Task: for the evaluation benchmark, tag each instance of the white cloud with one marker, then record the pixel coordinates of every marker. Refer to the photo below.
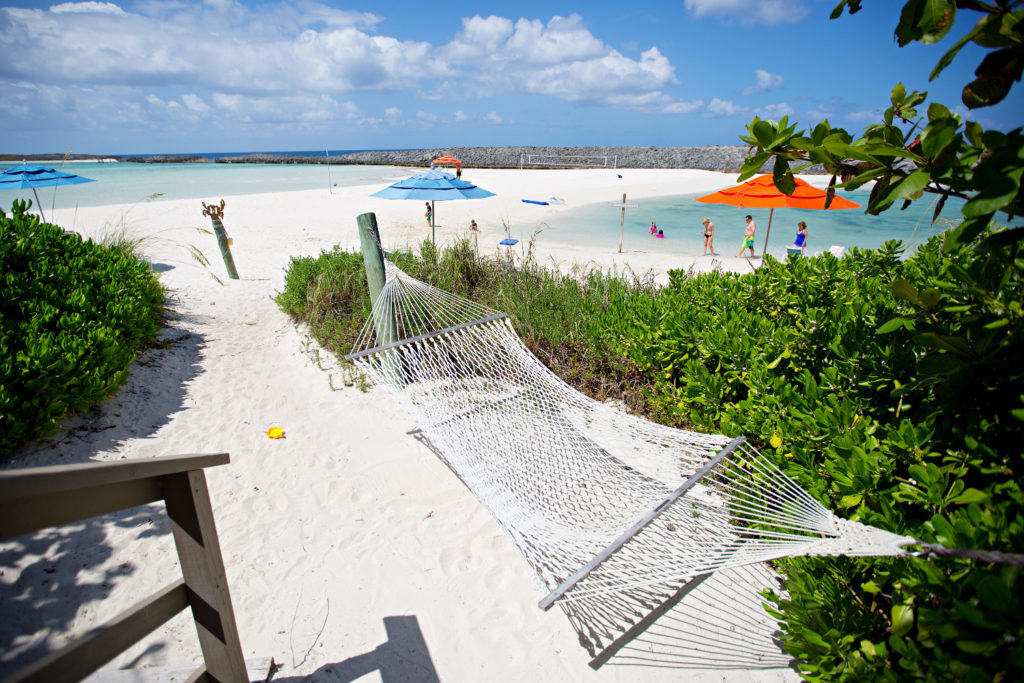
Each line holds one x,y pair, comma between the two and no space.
774,112
767,12
392,115
195,103
561,59
719,107
765,81
224,63
86,8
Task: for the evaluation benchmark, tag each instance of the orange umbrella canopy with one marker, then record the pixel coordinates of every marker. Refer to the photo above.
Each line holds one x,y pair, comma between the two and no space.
761,193
447,159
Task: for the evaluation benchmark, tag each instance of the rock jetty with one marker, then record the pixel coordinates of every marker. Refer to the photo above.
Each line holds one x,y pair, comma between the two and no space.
710,158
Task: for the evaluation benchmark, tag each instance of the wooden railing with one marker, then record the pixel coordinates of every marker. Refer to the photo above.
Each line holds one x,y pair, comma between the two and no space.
43,497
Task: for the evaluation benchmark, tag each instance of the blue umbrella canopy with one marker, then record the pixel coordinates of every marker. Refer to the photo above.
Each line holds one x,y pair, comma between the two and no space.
26,177
434,185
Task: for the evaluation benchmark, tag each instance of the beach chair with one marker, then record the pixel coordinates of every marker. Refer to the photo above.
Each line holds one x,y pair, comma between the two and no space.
794,251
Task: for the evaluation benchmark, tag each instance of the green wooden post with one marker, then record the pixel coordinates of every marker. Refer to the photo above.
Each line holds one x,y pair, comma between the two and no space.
373,262
215,213
373,257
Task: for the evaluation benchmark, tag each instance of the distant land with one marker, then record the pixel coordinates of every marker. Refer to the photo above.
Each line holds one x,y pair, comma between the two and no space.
727,158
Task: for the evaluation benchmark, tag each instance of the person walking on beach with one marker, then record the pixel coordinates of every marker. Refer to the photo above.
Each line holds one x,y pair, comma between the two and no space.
429,213
458,172
801,237
709,236
748,237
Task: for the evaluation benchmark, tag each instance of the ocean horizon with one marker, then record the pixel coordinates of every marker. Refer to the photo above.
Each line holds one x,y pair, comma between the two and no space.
597,225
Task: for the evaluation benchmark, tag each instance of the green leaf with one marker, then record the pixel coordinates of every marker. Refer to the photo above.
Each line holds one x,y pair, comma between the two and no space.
904,290
902,620
970,496
904,188
891,326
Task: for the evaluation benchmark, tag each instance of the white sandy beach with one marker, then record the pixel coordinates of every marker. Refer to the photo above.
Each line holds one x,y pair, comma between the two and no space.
348,522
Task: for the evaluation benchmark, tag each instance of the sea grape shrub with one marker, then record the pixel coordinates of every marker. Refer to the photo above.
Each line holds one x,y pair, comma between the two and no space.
891,390
72,315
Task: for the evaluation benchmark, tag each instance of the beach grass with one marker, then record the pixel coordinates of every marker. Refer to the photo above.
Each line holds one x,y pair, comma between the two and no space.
555,314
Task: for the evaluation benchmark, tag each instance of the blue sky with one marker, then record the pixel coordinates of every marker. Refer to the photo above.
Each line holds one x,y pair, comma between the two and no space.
165,76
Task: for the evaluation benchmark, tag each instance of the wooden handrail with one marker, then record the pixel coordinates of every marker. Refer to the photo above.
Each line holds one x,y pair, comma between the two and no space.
38,480
38,498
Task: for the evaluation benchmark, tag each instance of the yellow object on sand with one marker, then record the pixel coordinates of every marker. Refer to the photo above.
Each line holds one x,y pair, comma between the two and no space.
275,433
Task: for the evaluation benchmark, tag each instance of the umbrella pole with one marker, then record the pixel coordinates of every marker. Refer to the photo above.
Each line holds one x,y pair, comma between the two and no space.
39,204
433,239
622,221
767,232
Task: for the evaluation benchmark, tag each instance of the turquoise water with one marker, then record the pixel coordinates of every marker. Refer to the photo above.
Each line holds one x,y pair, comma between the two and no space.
680,219
129,183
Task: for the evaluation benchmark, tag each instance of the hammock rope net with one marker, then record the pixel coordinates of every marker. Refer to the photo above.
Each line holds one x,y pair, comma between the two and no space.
619,517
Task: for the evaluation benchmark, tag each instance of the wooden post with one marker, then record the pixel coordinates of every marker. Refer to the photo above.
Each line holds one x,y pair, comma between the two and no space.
202,566
373,256
215,213
373,262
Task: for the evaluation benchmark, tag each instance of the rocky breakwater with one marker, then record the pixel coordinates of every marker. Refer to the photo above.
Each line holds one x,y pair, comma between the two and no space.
708,158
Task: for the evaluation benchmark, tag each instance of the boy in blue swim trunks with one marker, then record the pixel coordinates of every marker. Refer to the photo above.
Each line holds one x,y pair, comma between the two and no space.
748,238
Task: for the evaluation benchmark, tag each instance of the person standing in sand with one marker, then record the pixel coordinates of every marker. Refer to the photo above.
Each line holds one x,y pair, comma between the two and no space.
428,213
472,225
748,237
709,236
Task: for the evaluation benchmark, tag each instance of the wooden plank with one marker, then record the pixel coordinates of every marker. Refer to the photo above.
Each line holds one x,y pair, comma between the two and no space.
44,510
195,535
86,654
37,481
630,533
639,627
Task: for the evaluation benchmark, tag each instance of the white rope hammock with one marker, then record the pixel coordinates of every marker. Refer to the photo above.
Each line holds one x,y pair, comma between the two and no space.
619,517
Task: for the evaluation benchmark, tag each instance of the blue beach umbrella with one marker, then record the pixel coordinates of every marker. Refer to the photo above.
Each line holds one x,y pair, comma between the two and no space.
433,186
24,177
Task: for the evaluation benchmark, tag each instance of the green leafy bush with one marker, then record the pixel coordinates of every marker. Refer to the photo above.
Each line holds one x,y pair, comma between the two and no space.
892,390
72,314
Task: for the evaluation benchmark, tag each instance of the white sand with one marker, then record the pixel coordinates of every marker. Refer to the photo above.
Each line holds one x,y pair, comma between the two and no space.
349,520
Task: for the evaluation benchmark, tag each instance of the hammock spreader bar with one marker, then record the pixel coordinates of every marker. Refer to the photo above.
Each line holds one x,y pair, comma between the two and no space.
631,533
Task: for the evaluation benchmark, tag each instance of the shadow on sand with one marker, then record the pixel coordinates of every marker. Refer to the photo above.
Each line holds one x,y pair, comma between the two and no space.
48,576
154,391
403,658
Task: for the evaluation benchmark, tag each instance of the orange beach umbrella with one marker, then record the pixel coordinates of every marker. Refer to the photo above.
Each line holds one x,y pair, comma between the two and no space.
761,193
447,159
